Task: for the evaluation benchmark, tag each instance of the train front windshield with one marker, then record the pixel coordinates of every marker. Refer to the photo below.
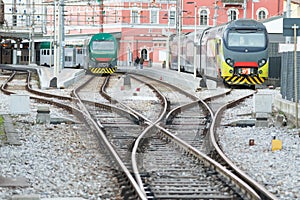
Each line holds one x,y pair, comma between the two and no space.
249,39
104,45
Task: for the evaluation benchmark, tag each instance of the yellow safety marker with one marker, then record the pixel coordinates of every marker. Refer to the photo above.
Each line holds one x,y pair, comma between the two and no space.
276,144
106,70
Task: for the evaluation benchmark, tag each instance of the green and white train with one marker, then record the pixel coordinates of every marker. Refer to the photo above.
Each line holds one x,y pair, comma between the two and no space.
97,54
101,54
74,55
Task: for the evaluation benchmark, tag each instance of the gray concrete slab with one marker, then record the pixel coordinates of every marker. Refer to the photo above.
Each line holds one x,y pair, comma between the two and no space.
10,131
13,182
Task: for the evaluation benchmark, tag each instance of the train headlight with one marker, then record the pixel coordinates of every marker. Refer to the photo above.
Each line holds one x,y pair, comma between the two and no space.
229,61
261,62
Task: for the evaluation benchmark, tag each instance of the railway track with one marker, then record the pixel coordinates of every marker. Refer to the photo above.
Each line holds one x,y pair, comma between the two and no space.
220,156
162,156
136,157
128,188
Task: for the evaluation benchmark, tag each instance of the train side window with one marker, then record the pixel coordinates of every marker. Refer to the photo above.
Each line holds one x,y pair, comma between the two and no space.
218,46
68,58
79,51
48,52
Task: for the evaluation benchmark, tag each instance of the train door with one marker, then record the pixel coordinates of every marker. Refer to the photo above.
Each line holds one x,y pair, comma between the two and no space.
24,58
210,58
45,57
69,57
189,53
7,56
80,60
46,54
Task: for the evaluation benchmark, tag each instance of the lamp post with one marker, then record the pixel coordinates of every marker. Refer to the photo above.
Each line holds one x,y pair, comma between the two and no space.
195,37
179,26
168,39
216,7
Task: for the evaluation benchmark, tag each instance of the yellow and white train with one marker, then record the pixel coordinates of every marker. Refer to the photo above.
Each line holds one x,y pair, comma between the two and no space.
236,53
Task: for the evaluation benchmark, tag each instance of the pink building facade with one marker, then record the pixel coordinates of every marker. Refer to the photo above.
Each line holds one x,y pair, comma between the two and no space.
143,27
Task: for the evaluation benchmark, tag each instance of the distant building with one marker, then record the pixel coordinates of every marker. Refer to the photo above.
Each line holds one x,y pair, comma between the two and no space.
143,26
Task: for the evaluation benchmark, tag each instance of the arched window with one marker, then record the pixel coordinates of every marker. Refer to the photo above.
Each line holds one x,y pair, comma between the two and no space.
262,13
232,14
144,54
203,17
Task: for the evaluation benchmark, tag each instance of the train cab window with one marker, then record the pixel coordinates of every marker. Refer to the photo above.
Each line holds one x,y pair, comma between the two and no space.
103,45
246,39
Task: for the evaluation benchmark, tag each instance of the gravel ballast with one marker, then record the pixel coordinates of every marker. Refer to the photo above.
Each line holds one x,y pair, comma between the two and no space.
277,170
53,160
64,161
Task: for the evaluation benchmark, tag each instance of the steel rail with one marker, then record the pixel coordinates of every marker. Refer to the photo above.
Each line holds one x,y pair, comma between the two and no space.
227,174
97,125
146,130
262,191
86,117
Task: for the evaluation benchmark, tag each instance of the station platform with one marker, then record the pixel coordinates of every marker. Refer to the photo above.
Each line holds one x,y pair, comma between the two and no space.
65,77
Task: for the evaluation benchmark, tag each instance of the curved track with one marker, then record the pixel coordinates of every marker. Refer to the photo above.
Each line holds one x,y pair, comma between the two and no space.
165,155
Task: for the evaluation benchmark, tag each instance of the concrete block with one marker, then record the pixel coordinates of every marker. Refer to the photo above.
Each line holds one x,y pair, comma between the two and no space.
263,103
43,114
19,104
26,197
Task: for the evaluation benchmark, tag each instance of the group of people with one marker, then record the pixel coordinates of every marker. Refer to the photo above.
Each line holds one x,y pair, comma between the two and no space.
139,61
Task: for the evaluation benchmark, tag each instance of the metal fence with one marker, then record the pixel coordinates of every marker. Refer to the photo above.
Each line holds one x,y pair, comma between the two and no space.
287,76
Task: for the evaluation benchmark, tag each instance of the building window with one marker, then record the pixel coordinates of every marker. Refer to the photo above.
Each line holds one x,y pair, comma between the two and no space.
172,18
154,16
262,13
135,17
232,14
144,54
203,17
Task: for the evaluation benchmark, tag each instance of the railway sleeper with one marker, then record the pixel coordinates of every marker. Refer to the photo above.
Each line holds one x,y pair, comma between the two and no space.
193,196
180,184
188,191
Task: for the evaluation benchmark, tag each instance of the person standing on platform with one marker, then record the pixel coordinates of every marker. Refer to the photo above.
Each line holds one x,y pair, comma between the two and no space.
141,62
137,61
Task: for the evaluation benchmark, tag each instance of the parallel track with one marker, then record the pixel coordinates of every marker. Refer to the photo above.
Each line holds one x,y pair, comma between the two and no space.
166,164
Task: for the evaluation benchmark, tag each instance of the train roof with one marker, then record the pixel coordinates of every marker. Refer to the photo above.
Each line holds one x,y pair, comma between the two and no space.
102,36
245,24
